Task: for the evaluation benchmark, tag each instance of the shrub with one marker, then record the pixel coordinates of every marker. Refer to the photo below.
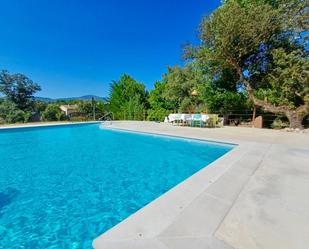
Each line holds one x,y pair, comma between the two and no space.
9,113
157,114
278,123
52,113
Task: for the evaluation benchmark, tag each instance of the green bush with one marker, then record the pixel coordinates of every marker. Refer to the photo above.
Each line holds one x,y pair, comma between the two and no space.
17,116
9,113
157,114
278,123
53,113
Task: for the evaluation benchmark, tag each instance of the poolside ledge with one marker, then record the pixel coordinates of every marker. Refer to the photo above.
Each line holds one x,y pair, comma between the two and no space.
254,197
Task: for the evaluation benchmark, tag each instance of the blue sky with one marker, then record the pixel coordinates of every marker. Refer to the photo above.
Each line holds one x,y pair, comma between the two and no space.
78,47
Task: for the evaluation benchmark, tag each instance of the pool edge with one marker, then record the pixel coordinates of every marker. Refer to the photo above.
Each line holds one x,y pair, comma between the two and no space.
47,125
147,224
233,144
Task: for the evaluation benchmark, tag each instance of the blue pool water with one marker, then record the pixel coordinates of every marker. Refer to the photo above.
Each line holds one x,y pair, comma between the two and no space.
61,187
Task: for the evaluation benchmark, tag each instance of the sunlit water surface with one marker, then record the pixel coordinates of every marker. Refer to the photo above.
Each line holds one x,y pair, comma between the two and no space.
61,187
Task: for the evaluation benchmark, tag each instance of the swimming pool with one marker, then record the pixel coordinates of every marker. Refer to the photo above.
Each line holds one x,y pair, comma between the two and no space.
62,186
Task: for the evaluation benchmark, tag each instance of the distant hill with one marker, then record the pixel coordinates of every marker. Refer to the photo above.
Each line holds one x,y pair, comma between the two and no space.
44,99
85,97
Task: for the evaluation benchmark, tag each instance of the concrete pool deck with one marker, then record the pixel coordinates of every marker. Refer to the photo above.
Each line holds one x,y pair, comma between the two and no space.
254,197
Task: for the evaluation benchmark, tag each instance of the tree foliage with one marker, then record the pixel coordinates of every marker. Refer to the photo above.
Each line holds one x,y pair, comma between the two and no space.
53,113
18,89
9,113
18,103
128,98
264,41
216,92
160,106
180,83
86,108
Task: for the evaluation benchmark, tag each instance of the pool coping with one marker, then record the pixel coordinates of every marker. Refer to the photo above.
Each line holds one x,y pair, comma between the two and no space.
150,226
219,141
21,126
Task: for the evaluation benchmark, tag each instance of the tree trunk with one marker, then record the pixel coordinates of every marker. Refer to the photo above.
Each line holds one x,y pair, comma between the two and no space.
295,119
295,116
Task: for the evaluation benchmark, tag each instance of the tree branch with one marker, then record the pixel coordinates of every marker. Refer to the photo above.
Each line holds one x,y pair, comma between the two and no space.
261,103
303,110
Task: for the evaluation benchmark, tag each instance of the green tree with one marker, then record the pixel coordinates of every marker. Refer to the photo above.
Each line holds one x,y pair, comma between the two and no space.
222,93
9,113
60,116
52,113
160,107
102,108
19,89
216,91
180,83
222,101
85,108
39,106
128,98
264,41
